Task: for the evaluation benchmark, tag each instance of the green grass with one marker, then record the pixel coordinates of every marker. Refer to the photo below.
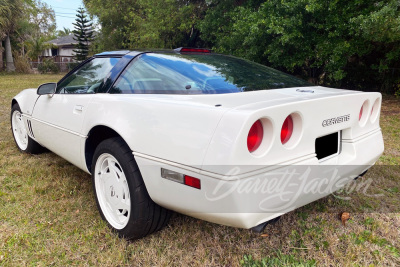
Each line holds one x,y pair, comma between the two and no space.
48,216
277,260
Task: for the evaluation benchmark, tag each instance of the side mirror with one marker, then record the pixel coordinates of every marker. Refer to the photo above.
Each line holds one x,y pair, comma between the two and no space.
47,89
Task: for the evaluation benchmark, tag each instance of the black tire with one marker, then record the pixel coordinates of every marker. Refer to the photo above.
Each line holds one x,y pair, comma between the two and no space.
145,216
31,146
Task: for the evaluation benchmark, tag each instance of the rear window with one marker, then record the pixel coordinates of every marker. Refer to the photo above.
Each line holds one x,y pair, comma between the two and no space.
153,73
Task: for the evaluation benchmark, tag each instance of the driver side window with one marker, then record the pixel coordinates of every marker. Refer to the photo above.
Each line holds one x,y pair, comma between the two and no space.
88,78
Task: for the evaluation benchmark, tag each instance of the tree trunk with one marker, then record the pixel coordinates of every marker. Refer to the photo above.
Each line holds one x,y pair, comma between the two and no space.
9,57
1,55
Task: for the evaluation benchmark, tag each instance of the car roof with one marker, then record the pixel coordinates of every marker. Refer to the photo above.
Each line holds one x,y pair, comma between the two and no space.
152,50
114,53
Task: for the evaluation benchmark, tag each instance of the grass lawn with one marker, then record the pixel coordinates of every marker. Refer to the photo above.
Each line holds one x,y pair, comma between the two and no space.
48,215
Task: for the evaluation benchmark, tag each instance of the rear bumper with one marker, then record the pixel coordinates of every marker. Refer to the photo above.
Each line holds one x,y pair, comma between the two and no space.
247,200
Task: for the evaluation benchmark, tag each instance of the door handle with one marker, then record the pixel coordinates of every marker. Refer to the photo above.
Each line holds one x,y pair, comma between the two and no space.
78,108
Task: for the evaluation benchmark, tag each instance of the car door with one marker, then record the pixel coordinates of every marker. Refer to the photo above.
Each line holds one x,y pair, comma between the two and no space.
57,119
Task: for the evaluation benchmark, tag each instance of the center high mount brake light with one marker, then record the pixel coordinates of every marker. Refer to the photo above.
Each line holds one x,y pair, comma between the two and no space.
192,50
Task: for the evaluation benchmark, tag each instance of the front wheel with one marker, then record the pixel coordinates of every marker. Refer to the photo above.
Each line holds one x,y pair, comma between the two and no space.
23,141
120,192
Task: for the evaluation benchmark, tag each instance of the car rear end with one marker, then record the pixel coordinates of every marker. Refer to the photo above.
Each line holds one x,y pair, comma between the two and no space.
331,138
271,152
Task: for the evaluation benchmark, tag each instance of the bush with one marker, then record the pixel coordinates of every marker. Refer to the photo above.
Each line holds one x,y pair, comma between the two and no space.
22,64
397,90
48,65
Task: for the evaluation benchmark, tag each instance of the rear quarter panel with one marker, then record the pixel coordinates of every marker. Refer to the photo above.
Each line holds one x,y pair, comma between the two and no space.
162,126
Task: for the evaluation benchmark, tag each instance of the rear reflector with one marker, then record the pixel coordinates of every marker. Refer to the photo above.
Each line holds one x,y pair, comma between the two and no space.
192,50
361,113
255,136
287,129
193,182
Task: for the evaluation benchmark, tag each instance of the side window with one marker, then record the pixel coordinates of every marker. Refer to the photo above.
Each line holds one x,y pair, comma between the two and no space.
88,78
144,76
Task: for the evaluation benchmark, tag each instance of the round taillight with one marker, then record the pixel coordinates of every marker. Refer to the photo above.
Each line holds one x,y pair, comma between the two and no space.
361,113
255,136
287,129
375,110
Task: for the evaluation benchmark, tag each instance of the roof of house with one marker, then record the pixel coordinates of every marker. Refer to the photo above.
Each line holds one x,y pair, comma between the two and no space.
64,40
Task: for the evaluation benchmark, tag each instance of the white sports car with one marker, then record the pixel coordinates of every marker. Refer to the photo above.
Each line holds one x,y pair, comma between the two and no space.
212,136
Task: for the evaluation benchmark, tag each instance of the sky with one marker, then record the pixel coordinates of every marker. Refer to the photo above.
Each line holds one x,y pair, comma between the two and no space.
65,12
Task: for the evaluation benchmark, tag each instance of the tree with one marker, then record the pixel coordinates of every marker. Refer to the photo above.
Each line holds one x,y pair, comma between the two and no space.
322,40
148,23
350,44
22,20
64,32
36,46
38,24
112,18
83,33
10,11
42,16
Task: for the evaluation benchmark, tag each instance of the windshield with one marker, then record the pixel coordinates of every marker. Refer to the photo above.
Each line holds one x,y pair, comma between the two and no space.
153,73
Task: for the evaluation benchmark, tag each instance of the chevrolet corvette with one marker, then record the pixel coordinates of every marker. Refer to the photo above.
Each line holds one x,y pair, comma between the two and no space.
212,136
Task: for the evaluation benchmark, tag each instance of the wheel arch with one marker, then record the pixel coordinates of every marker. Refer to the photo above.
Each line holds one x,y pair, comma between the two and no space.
13,102
97,135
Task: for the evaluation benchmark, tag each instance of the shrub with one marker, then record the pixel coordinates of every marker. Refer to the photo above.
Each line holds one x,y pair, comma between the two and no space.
21,63
48,65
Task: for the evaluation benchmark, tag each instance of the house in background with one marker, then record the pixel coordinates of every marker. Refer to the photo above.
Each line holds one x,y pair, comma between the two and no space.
62,49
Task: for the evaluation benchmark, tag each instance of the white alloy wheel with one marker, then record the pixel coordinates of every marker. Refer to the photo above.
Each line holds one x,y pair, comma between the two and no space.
19,130
112,191
121,194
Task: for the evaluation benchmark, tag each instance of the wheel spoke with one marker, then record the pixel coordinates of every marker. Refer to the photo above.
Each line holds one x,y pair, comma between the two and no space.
116,171
125,188
109,164
103,177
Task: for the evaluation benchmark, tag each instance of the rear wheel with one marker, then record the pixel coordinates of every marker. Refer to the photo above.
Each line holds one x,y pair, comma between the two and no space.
23,141
120,192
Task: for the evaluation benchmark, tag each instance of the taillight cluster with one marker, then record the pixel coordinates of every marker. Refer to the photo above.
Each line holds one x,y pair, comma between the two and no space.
257,133
373,114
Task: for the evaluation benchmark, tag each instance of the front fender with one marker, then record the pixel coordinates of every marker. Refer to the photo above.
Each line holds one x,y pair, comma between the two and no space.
26,100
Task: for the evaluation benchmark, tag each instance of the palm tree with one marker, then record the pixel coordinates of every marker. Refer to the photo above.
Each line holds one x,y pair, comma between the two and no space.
10,11
36,46
64,32
5,13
